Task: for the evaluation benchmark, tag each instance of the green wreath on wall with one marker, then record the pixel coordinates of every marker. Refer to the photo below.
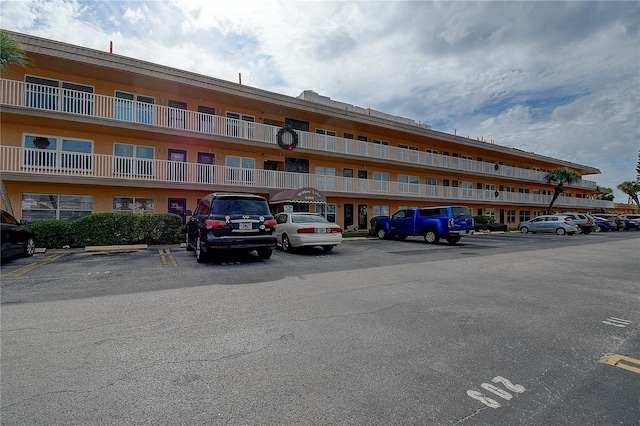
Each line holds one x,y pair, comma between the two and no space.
288,144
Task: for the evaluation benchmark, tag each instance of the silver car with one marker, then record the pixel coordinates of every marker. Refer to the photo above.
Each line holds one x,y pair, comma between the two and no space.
306,230
556,223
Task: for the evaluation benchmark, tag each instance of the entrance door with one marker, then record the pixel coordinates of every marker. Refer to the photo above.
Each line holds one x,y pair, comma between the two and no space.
177,206
362,216
177,166
348,215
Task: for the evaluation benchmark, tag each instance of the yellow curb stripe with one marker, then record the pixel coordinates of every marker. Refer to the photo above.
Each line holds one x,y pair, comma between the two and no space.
169,256
33,266
621,361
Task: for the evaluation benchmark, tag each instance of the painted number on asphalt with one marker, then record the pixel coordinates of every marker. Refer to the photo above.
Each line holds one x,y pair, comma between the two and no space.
490,402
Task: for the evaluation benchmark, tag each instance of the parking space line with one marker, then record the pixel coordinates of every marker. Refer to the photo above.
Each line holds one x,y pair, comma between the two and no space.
33,266
621,361
166,257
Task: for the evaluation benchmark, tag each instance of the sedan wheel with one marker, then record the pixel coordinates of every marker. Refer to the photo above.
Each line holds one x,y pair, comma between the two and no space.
286,244
560,231
524,229
327,248
30,248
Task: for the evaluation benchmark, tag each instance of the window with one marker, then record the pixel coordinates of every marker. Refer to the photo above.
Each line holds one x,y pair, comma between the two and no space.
328,211
408,184
55,206
511,216
490,187
409,147
431,151
381,148
445,182
467,189
240,125
50,152
177,114
381,210
347,135
327,178
132,107
59,95
133,204
490,212
133,160
381,181
240,169
510,189
466,157
525,215
431,181
408,153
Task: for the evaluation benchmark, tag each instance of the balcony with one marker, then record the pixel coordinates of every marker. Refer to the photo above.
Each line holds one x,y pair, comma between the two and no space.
29,95
45,165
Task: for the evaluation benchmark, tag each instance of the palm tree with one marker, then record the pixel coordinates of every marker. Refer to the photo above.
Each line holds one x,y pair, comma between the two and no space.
11,53
560,176
632,189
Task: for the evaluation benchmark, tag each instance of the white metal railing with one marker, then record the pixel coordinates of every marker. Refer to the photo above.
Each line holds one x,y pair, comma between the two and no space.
18,93
62,163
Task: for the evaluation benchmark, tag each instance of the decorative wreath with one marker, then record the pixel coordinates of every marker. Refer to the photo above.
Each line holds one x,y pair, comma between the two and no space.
290,143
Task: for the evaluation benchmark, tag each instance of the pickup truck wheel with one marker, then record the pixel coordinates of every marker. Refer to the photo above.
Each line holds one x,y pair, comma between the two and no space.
382,233
431,237
453,240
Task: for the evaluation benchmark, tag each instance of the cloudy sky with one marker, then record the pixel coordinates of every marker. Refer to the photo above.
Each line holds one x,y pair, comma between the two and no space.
557,78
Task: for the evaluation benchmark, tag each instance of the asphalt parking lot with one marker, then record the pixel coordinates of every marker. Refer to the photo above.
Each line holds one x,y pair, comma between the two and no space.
500,329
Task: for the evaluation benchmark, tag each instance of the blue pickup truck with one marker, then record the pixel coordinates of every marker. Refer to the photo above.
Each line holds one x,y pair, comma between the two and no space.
433,223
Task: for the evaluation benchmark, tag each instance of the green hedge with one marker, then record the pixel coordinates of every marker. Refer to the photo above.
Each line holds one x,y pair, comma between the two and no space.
99,229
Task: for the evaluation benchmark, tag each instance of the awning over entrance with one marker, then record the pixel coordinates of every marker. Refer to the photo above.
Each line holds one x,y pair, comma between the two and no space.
301,195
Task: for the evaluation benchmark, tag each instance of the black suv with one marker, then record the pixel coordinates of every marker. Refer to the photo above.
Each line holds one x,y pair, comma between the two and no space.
231,222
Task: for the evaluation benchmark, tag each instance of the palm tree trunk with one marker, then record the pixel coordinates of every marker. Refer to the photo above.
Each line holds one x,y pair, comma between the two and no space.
559,189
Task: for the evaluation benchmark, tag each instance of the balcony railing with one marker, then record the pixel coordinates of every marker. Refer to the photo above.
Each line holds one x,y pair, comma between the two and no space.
18,93
17,160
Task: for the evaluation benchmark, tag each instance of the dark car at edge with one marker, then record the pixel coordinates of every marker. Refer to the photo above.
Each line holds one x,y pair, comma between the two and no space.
17,239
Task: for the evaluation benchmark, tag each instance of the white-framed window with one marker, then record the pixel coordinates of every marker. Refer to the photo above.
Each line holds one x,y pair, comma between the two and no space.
381,210
431,181
408,184
467,189
325,177
133,107
133,160
58,95
431,151
325,140
409,147
490,186
466,157
490,212
409,153
240,169
55,206
526,215
328,211
240,125
57,153
511,216
133,204
381,181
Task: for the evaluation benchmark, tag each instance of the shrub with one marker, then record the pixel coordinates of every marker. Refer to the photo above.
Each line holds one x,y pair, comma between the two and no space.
52,233
481,220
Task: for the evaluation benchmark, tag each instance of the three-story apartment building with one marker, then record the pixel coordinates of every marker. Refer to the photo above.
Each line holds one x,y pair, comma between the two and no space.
88,131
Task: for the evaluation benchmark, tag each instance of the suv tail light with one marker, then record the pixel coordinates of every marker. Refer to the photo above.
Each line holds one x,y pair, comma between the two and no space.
450,223
212,224
270,223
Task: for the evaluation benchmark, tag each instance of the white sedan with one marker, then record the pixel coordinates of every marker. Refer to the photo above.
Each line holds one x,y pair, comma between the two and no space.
306,230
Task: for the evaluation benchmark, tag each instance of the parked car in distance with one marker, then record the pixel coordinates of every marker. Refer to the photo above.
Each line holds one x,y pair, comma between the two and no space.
225,222
617,223
631,221
605,225
586,224
558,223
17,239
295,230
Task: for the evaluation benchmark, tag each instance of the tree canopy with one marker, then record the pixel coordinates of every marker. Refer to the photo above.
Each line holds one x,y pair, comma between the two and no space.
631,188
560,176
11,53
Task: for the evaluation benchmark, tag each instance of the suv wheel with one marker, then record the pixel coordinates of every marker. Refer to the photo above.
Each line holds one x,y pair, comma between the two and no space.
201,257
265,253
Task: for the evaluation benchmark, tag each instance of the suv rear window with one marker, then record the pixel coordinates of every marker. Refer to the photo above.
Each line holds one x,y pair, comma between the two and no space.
240,206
